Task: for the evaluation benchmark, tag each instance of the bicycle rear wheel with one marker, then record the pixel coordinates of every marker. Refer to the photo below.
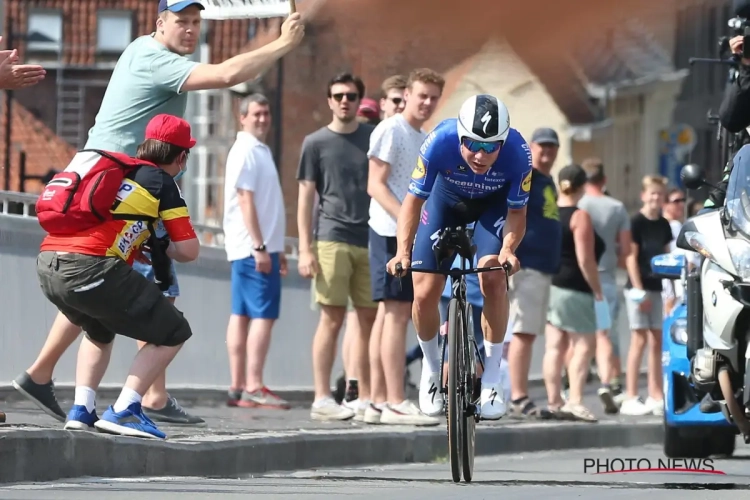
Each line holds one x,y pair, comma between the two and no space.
468,371
455,413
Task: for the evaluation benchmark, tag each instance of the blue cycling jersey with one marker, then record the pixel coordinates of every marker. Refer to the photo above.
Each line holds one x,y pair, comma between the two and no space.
441,155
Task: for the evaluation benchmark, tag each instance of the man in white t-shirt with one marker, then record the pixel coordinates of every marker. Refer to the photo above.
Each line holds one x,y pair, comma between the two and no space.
254,229
393,154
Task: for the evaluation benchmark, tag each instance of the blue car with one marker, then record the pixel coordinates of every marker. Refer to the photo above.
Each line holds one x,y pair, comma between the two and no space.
694,426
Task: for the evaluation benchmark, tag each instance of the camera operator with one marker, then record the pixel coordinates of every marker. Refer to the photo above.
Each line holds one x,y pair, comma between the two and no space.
734,114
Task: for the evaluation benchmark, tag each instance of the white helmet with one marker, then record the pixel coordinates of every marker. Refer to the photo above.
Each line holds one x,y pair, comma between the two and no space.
483,118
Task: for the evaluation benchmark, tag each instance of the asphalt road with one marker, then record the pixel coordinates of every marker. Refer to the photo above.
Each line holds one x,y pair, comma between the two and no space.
549,475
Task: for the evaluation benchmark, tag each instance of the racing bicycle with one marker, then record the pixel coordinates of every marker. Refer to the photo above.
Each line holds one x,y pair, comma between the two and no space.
462,391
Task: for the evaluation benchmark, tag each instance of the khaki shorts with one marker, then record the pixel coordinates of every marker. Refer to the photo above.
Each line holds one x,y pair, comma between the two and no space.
344,273
529,301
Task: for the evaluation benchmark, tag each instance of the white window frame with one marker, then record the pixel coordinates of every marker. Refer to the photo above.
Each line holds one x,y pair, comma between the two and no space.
56,46
124,15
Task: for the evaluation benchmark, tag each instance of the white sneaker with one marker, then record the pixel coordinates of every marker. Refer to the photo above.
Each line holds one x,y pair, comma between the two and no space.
634,407
358,406
406,413
656,406
492,401
373,413
431,400
327,410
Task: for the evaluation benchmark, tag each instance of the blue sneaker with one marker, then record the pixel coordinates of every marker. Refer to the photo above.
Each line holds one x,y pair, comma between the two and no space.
129,422
79,419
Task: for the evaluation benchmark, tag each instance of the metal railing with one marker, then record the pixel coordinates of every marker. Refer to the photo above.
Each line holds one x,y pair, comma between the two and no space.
13,204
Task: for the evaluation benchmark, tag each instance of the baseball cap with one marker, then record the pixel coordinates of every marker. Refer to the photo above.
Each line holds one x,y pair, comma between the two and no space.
545,135
177,5
369,108
571,178
170,129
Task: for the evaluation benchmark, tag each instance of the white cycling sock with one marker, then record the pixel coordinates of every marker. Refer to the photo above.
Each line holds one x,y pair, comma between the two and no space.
85,396
431,351
127,397
493,358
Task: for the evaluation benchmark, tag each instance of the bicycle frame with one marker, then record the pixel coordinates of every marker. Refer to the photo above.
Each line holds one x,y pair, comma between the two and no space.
461,408
458,291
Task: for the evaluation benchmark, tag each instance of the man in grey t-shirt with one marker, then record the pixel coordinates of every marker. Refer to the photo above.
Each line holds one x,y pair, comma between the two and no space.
334,164
612,224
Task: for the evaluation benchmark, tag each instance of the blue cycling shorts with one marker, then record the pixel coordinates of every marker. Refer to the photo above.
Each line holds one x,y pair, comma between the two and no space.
445,209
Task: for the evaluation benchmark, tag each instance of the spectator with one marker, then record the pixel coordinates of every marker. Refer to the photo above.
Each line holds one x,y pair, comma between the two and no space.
651,237
391,102
392,95
333,163
95,287
393,154
347,389
369,111
539,253
611,222
254,229
674,212
572,318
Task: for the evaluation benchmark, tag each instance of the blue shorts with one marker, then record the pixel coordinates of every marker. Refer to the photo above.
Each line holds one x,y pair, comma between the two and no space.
384,285
254,294
148,272
446,209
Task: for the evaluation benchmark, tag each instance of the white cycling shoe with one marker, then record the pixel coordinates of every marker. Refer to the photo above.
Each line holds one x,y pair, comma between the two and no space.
492,401
431,400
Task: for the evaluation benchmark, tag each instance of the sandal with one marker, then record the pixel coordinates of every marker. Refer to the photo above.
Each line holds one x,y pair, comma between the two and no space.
525,409
578,412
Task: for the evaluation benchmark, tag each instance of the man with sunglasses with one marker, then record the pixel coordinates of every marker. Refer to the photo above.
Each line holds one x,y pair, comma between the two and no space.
471,169
334,164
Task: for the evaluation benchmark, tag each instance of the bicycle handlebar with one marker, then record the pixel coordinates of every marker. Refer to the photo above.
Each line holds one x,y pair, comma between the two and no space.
456,273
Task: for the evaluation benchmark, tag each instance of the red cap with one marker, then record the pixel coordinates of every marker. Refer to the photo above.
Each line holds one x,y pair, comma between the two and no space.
170,129
369,108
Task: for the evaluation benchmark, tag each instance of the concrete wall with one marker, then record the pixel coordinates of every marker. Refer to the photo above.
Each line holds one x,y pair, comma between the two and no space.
26,316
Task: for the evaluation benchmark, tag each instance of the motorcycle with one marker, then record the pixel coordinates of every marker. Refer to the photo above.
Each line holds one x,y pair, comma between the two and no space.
693,427
718,296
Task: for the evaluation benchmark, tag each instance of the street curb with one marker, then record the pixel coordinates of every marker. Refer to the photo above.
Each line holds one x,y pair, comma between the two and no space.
187,395
31,455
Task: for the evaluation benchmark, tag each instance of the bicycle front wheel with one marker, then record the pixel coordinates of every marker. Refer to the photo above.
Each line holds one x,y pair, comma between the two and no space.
455,413
468,381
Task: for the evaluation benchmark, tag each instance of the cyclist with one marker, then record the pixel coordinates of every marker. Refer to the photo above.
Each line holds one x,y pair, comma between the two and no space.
473,168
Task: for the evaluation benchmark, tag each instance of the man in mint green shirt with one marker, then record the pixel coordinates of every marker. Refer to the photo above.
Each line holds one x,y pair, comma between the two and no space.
151,77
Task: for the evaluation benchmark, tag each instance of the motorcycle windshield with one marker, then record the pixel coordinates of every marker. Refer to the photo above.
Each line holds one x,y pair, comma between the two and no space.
738,193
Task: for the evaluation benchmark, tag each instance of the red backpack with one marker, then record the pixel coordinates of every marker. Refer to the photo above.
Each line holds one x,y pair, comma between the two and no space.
82,196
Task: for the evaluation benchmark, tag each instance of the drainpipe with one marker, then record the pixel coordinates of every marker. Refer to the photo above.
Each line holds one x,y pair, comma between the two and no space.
277,113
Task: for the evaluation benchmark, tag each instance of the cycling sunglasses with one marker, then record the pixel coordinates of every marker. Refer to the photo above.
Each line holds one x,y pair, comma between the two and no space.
485,147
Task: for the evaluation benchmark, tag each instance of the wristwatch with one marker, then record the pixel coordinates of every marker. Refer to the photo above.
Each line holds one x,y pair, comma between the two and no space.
261,248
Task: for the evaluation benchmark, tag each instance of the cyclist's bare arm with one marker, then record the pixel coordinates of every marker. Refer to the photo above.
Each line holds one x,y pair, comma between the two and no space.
408,220
515,228
249,65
